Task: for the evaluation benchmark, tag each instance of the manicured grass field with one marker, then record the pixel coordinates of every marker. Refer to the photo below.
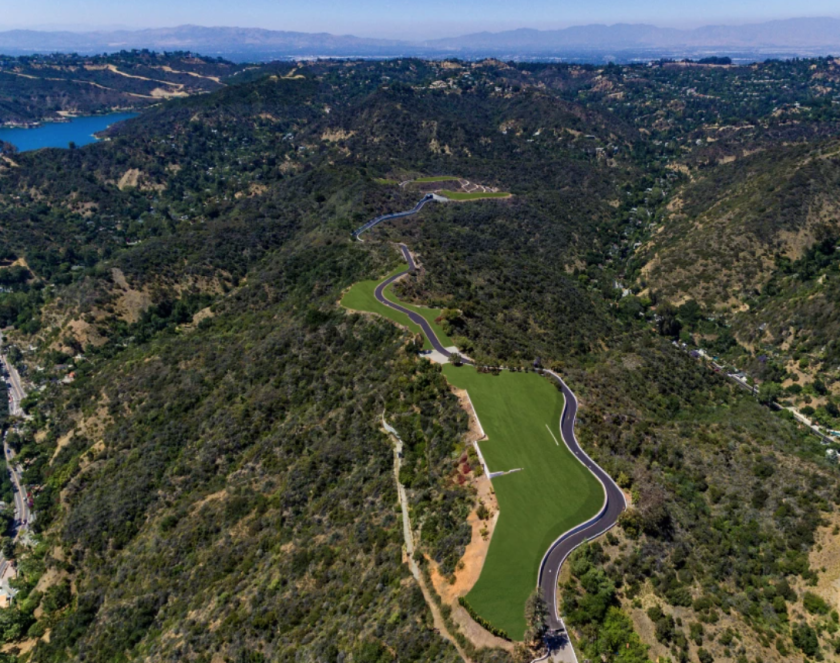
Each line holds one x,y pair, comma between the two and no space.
361,298
477,195
437,178
552,494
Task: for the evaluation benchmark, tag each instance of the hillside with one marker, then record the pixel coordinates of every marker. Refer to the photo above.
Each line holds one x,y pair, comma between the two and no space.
724,231
47,87
206,448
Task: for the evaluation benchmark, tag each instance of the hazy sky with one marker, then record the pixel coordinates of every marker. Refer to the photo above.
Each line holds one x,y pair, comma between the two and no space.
397,18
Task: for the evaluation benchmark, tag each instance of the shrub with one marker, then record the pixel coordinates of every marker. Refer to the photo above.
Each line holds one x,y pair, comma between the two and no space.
815,604
805,638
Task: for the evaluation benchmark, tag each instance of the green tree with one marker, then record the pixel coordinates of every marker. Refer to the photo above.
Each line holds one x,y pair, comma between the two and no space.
805,638
667,323
536,618
769,392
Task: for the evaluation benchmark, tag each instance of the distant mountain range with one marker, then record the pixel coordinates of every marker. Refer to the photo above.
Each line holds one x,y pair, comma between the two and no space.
620,42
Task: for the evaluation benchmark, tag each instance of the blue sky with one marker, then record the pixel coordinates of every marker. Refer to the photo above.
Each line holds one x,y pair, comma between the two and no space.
397,18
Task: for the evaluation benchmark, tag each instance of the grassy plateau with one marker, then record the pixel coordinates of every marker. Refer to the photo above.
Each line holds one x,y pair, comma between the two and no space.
361,298
553,492
437,178
476,195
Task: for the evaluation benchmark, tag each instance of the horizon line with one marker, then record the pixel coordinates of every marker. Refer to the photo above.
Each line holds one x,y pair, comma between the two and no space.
641,23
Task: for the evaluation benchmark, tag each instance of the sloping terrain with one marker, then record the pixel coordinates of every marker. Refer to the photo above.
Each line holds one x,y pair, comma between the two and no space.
205,451
725,230
38,88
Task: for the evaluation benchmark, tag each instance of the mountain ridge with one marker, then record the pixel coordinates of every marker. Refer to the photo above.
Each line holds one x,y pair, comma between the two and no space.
798,36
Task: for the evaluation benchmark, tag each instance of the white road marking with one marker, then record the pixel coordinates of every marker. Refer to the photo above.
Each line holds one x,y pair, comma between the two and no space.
552,435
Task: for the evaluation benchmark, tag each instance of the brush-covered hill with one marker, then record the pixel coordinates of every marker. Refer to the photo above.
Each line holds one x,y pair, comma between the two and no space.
38,88
224,423
213,483
725,230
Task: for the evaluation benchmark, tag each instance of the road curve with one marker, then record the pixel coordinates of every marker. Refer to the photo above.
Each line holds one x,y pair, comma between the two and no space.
614,500
416,318
429,197
606,518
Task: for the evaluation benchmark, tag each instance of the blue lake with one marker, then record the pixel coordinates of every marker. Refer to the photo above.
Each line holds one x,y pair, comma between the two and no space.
79,130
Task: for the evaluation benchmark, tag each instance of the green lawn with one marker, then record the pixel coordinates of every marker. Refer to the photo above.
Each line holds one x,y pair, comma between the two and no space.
431,314
360,297
382,180
437,178
457,195
552,493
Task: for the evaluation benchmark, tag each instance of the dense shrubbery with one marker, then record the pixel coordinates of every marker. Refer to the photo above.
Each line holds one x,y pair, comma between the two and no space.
590,605
223,488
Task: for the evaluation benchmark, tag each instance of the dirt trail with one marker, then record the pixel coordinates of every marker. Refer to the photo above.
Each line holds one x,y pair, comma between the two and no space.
170,70
113,69
437,618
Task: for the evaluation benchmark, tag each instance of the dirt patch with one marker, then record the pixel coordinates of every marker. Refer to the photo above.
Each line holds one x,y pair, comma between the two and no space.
63,441
796,243
170,70
203,314
826,555
131,303
130,178
469,569
253,190
91,427
437,618
86,333
19,648
119,278
52,576
162,93
475,432
335,135
470,565
210,498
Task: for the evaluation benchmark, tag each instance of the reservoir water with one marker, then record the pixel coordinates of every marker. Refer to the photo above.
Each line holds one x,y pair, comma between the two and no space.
78,130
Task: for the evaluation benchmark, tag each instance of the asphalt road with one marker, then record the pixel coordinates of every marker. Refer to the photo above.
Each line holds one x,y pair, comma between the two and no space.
412,267
429,197
16,392
614,500
417,319
614,504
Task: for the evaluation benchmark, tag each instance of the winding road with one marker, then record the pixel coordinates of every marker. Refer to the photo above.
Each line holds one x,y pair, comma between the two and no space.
606,518
614,500
416,318
429,197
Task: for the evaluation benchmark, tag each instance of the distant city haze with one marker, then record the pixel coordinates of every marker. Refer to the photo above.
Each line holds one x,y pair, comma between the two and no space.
396,19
